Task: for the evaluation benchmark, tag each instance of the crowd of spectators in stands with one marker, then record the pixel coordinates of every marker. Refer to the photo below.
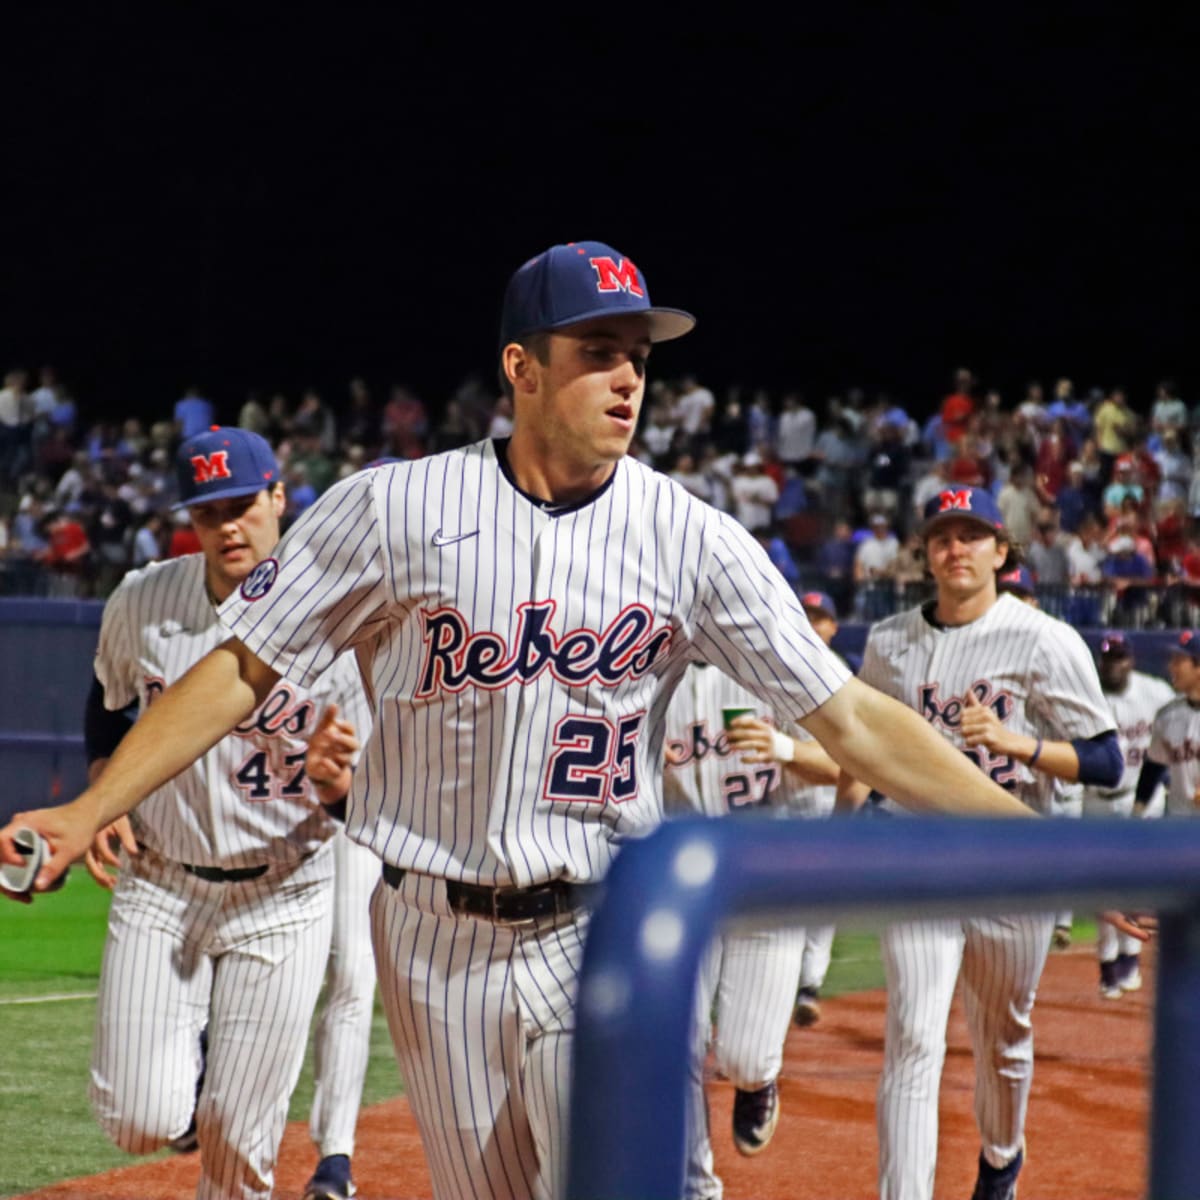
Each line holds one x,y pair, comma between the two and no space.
1103,496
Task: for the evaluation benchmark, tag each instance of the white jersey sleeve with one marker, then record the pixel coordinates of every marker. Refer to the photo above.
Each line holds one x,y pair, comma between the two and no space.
327,583
115,662
751,626
1065,689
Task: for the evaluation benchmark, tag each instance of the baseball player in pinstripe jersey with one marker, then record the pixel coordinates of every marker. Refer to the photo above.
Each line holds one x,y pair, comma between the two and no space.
522,610
1174,751
1017,691
221,916
1134,699
751,976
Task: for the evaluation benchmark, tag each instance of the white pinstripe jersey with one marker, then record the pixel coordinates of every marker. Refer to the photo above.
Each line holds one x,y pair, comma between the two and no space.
520,660
1033,671
246,801
1134,711
708,777
1175,742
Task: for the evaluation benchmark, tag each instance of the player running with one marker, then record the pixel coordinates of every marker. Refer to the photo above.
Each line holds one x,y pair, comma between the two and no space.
1016,691
522,610
220,919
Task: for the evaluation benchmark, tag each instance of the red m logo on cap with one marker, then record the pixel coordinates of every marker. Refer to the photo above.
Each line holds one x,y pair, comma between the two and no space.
210,466
955,499
613,277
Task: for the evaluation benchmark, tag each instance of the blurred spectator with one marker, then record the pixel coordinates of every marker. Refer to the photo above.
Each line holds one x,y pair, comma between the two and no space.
193,414
793,496
887,470
1170,536
967,466
253,416
405,424
1168,412
958,407
1054,452
1074,500
1095,475
760,421
835,561
360,422
875,557
797,432
909,568
314,420
754,494
300,491
1115,426
453,431
1031,412
935,478
1122,487
16,427
279,412
1020,505
1129,573
1071,411
148,541
109,533
718,467
840,454
658,433
695,409
690,478
1086,553
729,428
1047,557
68,553
1174,466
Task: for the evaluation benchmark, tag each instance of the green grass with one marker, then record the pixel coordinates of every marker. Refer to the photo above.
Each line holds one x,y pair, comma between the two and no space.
53,948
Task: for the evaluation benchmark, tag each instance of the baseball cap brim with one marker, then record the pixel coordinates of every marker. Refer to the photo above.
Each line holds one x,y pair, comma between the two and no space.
229,493
958,515
665,324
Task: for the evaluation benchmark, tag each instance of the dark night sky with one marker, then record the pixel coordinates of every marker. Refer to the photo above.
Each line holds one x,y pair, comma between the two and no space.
244,202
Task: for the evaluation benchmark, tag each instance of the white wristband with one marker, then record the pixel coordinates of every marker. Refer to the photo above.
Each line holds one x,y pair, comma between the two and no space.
782,746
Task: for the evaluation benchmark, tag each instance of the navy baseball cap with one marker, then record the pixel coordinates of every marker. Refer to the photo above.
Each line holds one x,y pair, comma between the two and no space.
973,503
821,601
579,281
1115,645
1188,643
1018,581
223,462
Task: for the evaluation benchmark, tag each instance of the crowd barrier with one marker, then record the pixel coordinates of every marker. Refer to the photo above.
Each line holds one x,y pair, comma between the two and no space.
666,895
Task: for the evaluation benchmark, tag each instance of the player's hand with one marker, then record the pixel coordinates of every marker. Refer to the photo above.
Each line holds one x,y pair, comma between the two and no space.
66,830
981,727
1136,925
102,853
752,738
674,753
331,751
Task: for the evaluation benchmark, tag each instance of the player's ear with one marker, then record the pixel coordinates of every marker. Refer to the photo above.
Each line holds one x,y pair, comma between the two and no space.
278,499
520,368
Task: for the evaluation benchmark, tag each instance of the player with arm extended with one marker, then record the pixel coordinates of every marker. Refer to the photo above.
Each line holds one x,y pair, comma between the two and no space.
1016,691
220,918
716,767
522,610
1134,699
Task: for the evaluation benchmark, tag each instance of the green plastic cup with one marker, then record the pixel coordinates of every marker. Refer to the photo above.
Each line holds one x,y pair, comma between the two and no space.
729,715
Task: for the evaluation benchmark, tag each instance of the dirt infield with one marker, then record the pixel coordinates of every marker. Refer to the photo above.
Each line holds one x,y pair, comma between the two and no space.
1086,1135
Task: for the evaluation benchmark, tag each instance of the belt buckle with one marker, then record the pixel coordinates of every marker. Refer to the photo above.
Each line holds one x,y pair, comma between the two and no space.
498,894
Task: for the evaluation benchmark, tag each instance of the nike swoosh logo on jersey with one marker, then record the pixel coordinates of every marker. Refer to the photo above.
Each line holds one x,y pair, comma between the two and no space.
439,540
171,628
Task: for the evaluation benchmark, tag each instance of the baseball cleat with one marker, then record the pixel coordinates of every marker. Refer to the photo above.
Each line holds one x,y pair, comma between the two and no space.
998,1183
331,1180
808,1010
755,1115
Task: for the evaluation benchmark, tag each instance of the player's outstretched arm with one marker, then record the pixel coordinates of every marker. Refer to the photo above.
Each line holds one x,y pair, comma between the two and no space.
887,745
759,742
191,716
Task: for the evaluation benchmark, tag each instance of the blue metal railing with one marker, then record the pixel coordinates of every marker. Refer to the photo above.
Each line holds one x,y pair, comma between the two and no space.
666,896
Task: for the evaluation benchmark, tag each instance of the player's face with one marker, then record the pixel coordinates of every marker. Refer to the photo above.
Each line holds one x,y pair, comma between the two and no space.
1184,673
824,626
236,535
963,557
1114,671
589,393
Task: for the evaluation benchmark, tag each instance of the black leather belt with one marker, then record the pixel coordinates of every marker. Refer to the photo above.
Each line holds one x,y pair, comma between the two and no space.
511,905
220,875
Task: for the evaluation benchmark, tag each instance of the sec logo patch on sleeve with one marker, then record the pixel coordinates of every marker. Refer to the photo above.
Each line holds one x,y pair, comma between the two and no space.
261,580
